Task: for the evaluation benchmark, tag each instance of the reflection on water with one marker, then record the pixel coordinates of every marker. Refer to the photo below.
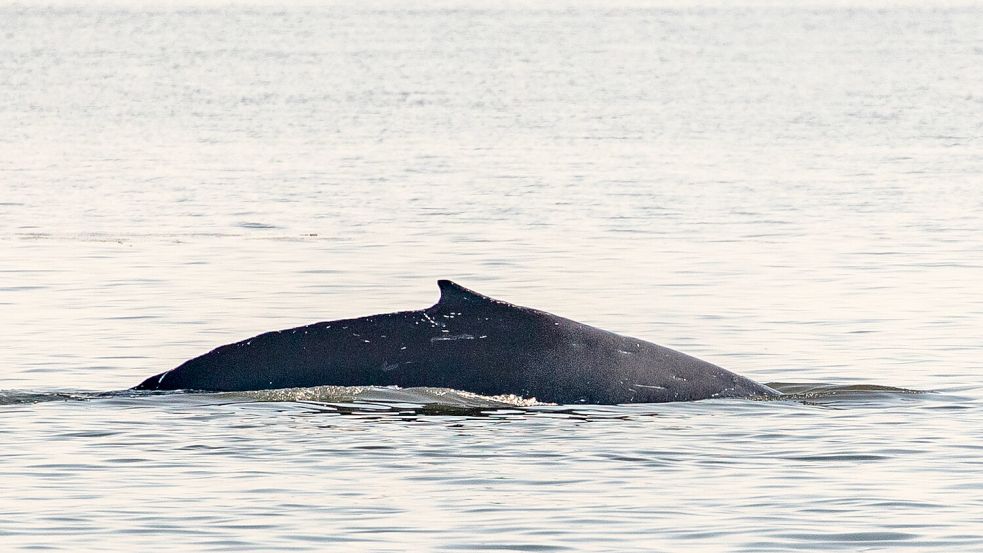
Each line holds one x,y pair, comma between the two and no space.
309,472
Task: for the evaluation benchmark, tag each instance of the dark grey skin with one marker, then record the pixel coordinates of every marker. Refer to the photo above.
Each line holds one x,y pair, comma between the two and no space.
469,342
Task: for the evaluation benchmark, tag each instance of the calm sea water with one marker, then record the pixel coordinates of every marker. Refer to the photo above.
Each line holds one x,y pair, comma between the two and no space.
793,193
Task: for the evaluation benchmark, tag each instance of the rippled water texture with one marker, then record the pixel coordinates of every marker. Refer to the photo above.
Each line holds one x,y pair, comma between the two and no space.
795,194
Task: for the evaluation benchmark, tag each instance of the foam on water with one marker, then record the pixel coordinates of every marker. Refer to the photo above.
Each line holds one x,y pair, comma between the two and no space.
427,398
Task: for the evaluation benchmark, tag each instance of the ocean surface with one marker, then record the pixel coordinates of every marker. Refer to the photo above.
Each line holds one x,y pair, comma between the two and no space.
793,193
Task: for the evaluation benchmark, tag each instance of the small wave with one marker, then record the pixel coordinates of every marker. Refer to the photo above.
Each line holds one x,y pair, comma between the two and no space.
18,397
815,390
435,400
383,396
256,225
354,397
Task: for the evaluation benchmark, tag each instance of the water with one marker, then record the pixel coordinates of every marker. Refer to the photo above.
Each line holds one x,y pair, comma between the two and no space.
792,193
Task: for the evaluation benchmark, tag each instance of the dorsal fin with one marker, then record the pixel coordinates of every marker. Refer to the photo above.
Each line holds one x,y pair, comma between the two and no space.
452,293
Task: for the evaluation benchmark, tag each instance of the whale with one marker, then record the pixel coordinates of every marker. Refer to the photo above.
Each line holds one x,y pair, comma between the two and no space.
468,342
